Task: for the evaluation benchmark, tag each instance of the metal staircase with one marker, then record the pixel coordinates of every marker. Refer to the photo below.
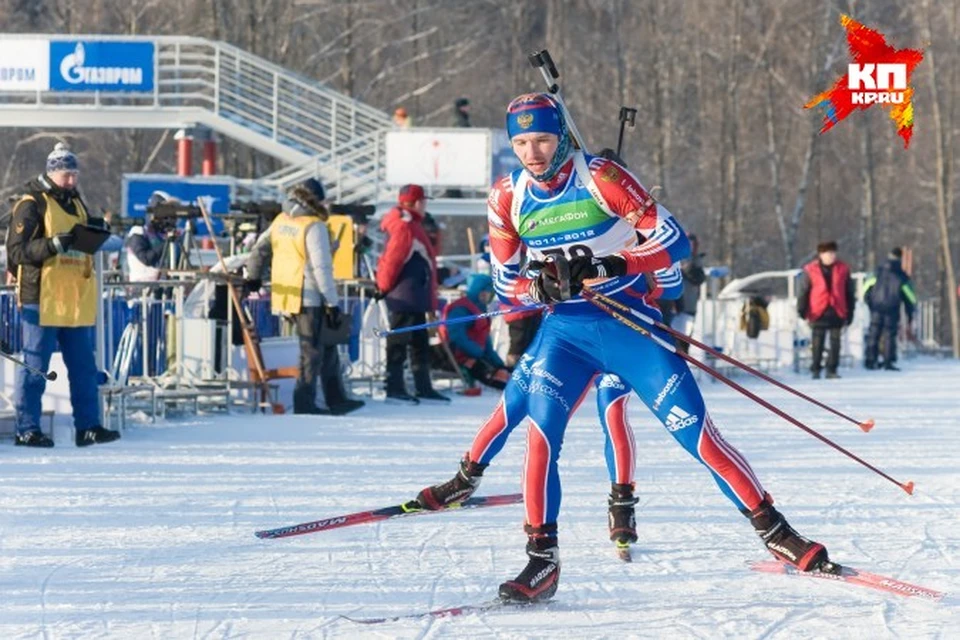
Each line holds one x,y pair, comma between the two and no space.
315,130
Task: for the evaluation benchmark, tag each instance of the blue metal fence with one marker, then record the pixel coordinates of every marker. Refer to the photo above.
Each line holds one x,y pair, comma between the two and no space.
120,311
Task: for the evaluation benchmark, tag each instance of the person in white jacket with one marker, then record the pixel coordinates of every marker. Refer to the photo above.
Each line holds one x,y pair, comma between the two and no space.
297,244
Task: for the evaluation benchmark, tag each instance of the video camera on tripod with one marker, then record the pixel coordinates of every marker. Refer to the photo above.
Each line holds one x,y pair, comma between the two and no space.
164,215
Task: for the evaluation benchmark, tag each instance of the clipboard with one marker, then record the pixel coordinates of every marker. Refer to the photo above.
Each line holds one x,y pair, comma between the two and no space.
88,239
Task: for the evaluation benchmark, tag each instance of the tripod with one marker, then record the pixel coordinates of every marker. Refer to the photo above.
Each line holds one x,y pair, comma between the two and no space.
176,248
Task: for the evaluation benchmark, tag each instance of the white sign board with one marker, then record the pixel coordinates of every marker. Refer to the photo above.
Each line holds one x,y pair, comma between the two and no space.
439,157
24,65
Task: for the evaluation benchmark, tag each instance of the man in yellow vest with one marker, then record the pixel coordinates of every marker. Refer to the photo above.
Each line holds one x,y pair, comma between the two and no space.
58,298
302,286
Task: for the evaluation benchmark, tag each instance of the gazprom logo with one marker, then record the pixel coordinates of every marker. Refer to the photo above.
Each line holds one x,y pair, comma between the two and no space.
102,65
72,70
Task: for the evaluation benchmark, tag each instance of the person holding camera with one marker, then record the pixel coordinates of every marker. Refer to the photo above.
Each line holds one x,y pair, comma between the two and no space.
297,243
58,298
145,243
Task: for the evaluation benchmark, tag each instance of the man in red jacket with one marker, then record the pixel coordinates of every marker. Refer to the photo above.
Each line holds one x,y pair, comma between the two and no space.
826,299
407,280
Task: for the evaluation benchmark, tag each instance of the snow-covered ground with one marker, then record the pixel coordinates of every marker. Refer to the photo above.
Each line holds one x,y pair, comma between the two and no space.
153,537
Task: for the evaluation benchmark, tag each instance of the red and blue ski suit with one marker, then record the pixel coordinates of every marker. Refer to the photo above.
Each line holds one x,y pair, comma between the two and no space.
613,394
593,206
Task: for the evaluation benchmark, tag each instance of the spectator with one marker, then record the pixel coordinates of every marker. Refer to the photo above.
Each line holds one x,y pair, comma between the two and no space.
297,244
407,279
884,291
58,296
401,119
826,300
470,343
461,113
686,306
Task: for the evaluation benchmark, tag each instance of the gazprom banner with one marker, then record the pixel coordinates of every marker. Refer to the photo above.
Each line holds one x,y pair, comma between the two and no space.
24,65
91,65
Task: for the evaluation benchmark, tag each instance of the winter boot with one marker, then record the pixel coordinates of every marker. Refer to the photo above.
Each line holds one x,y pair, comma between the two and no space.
33,438
400,396
432,395
95,435
424,386
621,517
313,410
345,407
458,489
785,543
539,579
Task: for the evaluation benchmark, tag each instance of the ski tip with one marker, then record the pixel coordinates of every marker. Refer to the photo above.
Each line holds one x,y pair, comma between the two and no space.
867,425
908,487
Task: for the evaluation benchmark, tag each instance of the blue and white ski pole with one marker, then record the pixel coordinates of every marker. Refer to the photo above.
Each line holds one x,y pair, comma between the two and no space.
382,333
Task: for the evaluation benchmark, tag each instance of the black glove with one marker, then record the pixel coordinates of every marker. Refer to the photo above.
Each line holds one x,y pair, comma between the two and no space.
588,268
552,284
63,241
252,285
333,317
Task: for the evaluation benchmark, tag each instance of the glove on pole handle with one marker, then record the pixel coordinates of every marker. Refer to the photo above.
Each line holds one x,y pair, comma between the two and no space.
598,300
865,425
542,61
49,375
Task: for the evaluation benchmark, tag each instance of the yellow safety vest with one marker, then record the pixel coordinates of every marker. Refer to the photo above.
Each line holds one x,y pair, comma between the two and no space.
68,287
288,240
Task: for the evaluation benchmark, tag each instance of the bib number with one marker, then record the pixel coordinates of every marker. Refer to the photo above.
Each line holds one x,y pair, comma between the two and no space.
573,251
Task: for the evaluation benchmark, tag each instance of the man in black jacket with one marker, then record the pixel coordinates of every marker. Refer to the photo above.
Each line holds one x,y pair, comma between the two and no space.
58,298
884,292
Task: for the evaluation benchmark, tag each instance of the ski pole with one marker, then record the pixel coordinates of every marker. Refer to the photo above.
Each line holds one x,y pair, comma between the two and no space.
49,375
597,300
627,116
381,333
865,425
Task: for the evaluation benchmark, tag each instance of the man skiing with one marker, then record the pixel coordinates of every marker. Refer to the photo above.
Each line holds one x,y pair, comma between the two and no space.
580,216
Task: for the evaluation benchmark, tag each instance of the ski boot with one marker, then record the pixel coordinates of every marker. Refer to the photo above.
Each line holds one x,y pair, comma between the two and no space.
621,517
786,544
458,489
539,579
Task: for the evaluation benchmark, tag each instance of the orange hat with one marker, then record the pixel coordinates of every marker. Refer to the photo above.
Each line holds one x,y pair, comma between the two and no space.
400,112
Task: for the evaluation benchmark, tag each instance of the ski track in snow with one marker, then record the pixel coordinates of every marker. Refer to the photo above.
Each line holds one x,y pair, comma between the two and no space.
153,537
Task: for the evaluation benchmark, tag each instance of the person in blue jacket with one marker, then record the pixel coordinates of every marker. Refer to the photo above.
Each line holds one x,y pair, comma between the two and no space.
470,342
